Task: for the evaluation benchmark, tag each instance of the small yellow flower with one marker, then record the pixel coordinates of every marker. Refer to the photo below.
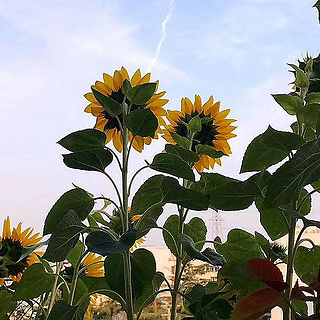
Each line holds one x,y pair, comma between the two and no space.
95,265
214,133
13,243
111,86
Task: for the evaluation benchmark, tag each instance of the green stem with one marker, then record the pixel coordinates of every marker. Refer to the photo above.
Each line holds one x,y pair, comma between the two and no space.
55,286
125,219
289,276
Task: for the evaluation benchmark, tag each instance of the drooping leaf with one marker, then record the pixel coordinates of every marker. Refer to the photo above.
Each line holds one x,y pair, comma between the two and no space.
104,244
256,304
208,151
180,140
301,170
194,125
306,263
77,200
143,268
313,97
142,122
76,252
234,196
111,106
34,282
159,190
290,103
142,93
148,294
208,255
84,140
148,221
7,304
302,80
308,115
186,155
275,222
64,311
209,182
64,237
172,164
240,247
269,148
196,229
93,160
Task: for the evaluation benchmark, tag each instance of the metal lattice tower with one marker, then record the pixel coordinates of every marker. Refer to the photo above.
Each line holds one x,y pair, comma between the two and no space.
217,226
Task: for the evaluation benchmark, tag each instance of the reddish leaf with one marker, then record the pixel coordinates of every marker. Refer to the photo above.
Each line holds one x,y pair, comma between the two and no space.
256,304
297,292
268,273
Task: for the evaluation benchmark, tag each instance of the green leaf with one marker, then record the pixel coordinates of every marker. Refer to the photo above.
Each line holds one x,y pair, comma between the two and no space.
181,141
141,94
148,221
142,122
240,247
208,255
273,221
186,155
159,190
143,267
234,195
306,263
313,97
77,200
309,115
269,148
301,170
76,252
172,164
261,179
34,282
309,133
302,80
103,244
194,125
93,160
126,86
84,140
306,205
290,103
317,6
209,151
196,229
64,238
7,304
111,106
209,182
149,291
64,311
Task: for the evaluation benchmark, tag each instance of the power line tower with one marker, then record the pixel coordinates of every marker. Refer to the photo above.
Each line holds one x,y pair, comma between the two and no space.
217,226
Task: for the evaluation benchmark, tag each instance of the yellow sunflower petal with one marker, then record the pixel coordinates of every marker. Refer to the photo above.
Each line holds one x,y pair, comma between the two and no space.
145,79
117,80
198,103
124,73
136,78
108,80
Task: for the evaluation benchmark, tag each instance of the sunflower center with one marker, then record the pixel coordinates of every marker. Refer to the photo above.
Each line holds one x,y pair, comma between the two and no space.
205,136
12,250
112,122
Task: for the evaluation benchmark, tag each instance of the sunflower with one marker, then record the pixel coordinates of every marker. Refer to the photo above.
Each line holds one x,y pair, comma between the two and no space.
94,298
94,264
215,132
12,244
111,86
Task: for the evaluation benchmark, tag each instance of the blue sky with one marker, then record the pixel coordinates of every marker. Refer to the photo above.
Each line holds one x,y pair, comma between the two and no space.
52,51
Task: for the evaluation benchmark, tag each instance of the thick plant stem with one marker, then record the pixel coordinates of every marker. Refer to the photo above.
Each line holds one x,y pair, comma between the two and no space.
55,286
125,220
289,276
177,274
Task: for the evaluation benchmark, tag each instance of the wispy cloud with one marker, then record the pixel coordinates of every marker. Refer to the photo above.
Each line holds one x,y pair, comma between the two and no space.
163,34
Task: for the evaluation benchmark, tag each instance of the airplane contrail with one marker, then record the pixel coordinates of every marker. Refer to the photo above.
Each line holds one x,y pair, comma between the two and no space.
163,34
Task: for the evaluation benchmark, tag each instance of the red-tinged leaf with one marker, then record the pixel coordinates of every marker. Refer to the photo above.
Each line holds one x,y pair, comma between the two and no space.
298,292
256,304
268,273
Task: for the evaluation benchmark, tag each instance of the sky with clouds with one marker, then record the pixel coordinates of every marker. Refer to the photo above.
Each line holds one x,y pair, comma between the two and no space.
52,51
